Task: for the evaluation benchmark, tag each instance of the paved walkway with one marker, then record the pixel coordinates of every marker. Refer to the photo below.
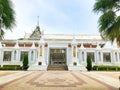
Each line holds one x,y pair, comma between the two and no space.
108,79
58,80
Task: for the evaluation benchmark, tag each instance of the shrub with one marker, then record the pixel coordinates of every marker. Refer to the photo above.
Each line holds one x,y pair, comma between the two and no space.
89,63
10,67
106,68
25,62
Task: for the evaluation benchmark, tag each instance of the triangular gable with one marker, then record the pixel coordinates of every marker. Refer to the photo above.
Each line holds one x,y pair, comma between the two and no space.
36,33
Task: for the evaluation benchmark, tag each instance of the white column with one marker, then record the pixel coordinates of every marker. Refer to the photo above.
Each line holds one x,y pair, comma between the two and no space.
12,56
69,56
118,57
46,55
85,56
18,54
113,57
80,56
41,58
1,56
34,57
29,56
95,56
72,56
101,55
43,61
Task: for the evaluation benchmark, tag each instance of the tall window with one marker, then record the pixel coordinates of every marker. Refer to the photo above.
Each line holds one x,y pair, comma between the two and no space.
91,54
23,53
106,57
7,56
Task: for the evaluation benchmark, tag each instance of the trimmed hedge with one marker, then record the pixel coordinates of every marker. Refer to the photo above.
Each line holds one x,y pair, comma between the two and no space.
25,62
89,63
10,67
106,68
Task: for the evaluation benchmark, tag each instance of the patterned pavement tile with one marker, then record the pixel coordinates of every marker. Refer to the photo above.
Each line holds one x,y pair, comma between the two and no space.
5,73
110,74
56,80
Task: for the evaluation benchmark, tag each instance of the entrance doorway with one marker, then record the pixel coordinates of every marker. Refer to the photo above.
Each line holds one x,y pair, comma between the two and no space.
57,57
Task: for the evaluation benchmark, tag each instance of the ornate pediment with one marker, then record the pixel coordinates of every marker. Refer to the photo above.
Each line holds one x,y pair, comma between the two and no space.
36,34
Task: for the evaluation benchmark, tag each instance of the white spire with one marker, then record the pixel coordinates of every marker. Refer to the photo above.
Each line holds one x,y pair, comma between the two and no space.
16,45
111,45
33,45
114,45
98,46
38,21
82,45
74,40
108,45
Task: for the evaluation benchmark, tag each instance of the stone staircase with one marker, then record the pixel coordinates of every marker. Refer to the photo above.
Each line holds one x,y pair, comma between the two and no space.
57,67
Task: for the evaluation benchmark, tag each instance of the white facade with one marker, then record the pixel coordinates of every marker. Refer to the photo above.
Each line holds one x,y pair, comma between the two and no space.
112,53
74,48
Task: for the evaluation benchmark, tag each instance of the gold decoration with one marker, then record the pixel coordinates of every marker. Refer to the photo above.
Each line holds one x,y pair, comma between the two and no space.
74,51
40,50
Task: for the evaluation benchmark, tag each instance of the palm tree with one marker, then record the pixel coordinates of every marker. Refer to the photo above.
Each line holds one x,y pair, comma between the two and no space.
109,21
7,18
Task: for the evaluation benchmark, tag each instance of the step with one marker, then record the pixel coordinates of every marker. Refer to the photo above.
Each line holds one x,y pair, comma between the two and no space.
57,67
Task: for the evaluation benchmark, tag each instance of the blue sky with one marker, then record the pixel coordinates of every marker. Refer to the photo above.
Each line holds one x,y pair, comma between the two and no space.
55,17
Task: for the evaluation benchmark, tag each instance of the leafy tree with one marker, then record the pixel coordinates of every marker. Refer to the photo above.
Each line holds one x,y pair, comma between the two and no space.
109,21
7,15
89,63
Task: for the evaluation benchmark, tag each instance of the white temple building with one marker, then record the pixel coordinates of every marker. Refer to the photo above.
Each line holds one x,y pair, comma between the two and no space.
59,49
